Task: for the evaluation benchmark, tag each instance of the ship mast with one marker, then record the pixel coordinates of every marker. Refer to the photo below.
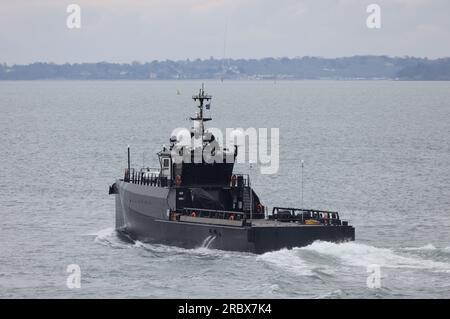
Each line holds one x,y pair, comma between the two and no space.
201,97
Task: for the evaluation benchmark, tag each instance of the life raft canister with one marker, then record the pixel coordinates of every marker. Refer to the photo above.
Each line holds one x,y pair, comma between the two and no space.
311,222
178,180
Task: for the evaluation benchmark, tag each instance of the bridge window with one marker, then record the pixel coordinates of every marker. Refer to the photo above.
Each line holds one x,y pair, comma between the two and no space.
166,163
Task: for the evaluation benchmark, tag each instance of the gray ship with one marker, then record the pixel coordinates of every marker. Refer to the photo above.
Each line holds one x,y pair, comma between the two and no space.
190,203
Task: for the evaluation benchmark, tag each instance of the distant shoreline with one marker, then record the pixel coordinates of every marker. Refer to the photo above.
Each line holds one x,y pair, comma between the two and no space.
356,68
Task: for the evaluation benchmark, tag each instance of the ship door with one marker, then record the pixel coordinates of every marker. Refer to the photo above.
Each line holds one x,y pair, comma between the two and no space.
166,167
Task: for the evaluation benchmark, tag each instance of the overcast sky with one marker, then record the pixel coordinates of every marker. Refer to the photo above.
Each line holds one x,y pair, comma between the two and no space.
146,30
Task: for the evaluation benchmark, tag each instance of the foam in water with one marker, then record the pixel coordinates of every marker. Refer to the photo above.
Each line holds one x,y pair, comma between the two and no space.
352,254
426,247
355,254
103,233
108,236
287,260
207,242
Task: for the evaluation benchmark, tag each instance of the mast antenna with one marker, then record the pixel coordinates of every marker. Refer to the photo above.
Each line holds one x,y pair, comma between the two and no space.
201,98
224,70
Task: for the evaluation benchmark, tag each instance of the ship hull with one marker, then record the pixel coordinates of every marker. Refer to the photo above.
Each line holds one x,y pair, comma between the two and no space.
142,214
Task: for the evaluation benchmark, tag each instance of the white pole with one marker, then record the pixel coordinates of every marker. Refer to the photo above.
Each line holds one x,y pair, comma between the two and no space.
251,199
302,184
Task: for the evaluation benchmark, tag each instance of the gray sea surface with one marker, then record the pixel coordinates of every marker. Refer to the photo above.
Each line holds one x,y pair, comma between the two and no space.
376,151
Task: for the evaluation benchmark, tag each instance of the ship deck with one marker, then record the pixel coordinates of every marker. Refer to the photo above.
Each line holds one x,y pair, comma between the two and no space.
256,223
274,223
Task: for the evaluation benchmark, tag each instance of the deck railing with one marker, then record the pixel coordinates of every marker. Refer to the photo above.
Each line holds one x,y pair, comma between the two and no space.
212,213
240,180
145,178
286,214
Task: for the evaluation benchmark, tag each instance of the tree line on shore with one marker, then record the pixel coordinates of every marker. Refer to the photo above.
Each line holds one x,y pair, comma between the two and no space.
307,68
